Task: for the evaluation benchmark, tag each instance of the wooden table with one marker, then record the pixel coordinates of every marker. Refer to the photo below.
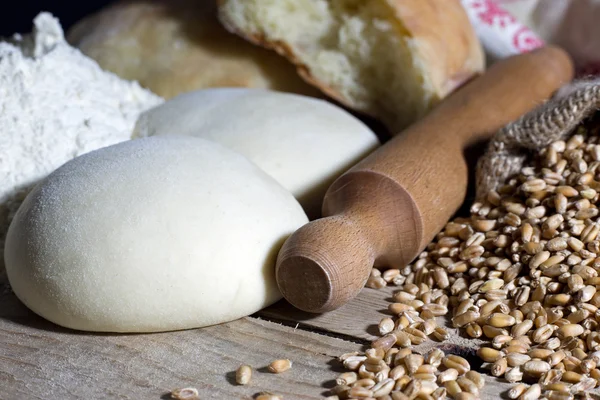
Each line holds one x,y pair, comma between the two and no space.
39,360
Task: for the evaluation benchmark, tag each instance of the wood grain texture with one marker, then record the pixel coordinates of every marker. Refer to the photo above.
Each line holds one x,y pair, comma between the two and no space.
39,360
359,318
385,209
356,319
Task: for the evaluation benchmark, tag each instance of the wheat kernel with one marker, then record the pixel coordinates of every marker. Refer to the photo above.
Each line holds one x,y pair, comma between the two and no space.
434,357
532,393
363,373
426,369
440,334
554,395
536,368
499,320
425,377
449,374
386,325
491,331
587,366
558,387
346,378
359,392
571,377
517,359
402,383
439,393
279,366
474,330
476,378
570,330
385,342
243,375
514,374
383,388
366,383
188,393
489,354
499,367
452,388
540,353
542,334
516,391
413,388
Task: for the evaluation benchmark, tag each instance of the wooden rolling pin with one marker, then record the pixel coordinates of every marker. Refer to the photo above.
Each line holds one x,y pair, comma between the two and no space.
387,208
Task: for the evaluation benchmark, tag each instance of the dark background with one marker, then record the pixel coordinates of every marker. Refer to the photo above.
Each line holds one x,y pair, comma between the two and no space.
18,18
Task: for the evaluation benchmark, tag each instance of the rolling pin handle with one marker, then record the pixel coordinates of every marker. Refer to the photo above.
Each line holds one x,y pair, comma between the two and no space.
310,279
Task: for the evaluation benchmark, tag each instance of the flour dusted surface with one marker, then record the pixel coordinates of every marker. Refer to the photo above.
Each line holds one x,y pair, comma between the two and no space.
55,104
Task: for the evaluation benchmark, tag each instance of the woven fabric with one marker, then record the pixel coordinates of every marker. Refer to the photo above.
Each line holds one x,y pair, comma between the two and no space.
554,120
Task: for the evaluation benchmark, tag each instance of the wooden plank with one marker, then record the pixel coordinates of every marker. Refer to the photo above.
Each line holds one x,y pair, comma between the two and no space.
41,360
359,319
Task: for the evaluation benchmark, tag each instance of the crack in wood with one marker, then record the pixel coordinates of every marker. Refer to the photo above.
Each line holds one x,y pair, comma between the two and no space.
312,329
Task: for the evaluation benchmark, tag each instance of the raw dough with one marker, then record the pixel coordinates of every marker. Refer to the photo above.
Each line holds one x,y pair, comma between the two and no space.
149,235
304,143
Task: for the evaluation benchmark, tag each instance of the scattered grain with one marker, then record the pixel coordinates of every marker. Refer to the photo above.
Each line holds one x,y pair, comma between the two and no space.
243,375
188,393
279,366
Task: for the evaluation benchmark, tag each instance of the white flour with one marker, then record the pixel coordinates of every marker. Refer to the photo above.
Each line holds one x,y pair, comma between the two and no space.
55,104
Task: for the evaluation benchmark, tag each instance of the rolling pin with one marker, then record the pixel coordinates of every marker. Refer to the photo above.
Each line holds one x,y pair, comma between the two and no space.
387,208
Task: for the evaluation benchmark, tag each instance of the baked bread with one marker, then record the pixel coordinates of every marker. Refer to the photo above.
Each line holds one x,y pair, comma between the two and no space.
391,59
176,46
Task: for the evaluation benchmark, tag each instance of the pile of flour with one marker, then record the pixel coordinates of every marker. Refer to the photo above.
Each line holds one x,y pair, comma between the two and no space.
55,104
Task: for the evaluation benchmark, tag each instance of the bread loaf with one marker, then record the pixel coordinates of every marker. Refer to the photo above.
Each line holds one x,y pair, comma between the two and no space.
176,46
391,59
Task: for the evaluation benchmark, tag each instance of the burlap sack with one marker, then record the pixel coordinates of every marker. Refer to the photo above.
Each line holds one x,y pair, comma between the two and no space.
555,120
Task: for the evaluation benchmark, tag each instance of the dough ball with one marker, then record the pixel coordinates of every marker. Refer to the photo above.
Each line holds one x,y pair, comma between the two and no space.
304,143
150,235
176,46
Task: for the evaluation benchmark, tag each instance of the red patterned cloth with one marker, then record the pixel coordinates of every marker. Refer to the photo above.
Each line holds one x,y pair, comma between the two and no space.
500,32
508,27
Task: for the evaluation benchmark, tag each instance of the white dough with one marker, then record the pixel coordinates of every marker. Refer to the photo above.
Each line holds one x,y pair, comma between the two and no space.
148,235
304,143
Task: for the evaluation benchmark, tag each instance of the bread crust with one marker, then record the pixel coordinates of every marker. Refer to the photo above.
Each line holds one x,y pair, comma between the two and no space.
446,40
176,46
445,45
